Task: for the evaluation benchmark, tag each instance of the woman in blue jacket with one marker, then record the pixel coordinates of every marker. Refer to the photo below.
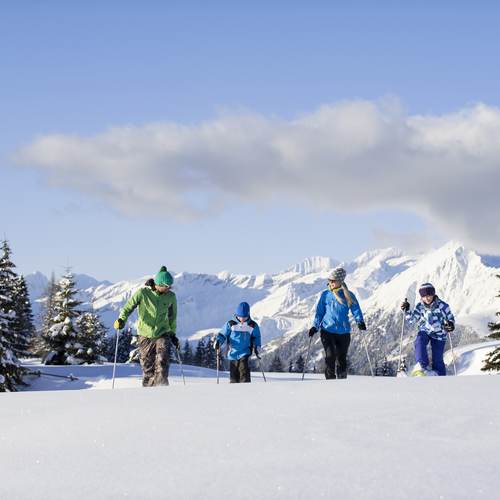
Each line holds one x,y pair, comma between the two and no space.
332,320
243,336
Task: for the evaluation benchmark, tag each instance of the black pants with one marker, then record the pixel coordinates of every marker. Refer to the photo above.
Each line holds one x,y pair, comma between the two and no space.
239,371
336,346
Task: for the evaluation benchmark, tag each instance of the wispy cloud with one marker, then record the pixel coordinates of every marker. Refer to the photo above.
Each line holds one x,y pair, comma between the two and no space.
349,156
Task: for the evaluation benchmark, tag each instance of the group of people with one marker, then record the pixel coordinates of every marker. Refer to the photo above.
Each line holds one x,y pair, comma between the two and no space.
157,311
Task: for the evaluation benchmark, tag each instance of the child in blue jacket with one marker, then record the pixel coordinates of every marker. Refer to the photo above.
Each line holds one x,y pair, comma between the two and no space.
332,320
434,321
243,337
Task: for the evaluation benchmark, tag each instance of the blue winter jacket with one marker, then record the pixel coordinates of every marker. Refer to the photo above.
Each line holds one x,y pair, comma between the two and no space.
430,319
333,316
240,337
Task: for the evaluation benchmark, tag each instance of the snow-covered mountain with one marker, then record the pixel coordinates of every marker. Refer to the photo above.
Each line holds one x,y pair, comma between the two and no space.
284,303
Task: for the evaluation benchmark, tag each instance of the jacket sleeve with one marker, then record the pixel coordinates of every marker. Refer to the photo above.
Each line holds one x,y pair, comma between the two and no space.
224,334
413,317
131,304
173,315
356,310
257,342
447,312
320,312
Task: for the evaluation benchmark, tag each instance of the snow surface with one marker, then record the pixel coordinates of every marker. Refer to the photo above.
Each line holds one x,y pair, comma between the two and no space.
360,438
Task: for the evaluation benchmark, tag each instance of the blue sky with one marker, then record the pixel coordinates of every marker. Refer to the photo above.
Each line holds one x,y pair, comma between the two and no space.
79,70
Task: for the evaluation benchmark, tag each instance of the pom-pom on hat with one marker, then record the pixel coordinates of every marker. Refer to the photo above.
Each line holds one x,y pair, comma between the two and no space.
163,277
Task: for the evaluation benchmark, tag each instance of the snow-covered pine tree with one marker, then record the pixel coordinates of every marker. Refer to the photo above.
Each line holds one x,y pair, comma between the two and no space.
299,364
60,337
90,339
23,324
199,355
210,354
124,346
492,361
10,370
276,364
187,353
38,345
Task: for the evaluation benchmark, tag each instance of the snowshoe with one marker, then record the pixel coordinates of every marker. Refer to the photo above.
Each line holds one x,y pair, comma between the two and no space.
418,371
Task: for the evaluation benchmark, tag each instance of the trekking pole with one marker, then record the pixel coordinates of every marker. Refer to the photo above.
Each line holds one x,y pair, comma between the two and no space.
260,365
307,358
452,353
180,363
368,357
401,342
116,356
369,360
218,362
38,373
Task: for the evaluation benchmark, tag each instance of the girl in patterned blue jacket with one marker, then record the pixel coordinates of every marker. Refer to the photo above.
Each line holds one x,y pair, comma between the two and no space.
332,320
243,337
434,321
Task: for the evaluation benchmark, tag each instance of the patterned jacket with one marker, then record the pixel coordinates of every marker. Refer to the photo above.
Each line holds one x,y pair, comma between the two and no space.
430,319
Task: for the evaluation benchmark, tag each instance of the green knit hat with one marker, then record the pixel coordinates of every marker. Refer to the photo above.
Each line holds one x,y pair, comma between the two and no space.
163,277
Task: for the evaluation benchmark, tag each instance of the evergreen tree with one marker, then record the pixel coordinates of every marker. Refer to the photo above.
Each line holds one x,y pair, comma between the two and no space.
60,337
276,364
492,360
290,367
38,345
90,340
199,355
23,325
299,364
187,353
210,354
387,370
10,370
124,346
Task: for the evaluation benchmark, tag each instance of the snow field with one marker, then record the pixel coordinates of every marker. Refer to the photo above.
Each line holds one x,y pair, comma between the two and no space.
360,438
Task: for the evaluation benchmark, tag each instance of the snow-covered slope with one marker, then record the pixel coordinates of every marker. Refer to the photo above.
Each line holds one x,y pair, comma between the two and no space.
284,303
360,438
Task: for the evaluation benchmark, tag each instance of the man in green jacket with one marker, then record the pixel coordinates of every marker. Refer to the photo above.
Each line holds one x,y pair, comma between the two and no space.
156,327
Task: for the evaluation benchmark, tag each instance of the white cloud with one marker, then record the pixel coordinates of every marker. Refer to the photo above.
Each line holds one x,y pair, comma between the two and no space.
350,156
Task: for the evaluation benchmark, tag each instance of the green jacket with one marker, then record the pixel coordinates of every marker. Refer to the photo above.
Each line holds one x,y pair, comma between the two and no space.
157,312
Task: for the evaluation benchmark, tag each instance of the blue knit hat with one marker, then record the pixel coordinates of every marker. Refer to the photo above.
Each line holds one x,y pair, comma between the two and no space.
243,310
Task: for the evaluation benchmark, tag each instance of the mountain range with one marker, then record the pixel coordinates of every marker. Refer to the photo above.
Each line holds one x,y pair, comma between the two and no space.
284,303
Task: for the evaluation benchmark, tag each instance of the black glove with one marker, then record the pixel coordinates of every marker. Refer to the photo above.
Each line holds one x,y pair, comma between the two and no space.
312,331
256,352
449,326
174,340
405,306
361,325
216,345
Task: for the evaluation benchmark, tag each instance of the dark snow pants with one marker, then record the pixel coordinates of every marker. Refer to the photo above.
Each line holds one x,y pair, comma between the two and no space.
437,349
239,371
155,359
336,346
